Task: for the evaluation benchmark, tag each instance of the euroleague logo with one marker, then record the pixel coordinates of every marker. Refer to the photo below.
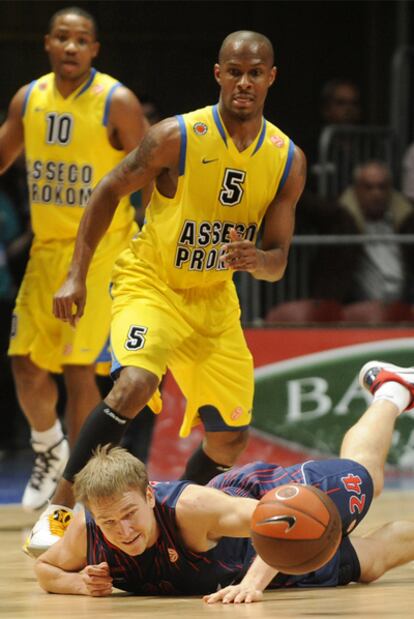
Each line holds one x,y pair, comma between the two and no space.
277,140
238,412
172,555
286,493
200,128
97,89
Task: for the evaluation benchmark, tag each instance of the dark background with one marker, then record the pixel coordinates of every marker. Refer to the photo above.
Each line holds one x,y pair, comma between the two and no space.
167,50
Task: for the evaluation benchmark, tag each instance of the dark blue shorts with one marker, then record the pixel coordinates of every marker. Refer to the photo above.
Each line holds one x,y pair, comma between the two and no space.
348,484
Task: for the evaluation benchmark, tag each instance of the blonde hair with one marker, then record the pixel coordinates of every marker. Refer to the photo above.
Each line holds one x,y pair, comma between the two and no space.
110,471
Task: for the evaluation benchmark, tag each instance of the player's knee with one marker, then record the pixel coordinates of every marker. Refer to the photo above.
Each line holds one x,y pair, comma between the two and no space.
374,568
240,439
79,377
375,572
377,484
132,390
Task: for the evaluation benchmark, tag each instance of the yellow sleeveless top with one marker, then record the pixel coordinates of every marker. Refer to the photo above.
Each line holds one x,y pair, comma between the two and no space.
218,188
68,152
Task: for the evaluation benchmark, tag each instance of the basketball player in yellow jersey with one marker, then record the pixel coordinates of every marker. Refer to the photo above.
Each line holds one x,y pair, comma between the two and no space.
218,172
75,124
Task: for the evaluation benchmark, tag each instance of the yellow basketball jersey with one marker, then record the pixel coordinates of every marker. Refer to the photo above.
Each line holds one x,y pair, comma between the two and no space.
68,152
218,188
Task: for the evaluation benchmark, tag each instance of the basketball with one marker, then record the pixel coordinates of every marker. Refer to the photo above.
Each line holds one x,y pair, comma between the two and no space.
296,528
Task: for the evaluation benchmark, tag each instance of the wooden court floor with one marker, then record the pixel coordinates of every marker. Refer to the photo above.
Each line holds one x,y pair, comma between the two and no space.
21,598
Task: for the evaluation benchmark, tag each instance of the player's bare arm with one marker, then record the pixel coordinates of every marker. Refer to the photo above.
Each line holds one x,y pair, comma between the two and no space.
127,124
63,568
155,158
126,128
269,261
11,131
204,515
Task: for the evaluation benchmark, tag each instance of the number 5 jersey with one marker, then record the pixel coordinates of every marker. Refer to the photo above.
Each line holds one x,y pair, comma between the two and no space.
218,188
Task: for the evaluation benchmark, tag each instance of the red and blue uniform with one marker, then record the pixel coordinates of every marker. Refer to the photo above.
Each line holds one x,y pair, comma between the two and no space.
170,568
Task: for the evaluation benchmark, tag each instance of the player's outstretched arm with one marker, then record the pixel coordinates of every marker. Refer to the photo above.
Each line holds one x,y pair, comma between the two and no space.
158,152
11,131
63,569
204,515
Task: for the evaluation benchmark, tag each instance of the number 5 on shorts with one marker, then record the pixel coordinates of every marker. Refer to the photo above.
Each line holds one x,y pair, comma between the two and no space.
135,338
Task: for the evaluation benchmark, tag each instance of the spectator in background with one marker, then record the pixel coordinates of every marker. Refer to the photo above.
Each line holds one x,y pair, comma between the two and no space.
377,209
326,264
340,106
407,249
340,99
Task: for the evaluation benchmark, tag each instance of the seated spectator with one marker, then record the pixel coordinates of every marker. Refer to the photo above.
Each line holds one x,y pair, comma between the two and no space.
329,267
377,209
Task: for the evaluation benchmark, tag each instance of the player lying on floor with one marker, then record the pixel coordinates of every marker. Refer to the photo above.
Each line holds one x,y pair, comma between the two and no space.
177,538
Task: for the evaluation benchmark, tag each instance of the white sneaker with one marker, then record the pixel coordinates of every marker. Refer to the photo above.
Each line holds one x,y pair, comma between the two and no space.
50,527
375,373
48,467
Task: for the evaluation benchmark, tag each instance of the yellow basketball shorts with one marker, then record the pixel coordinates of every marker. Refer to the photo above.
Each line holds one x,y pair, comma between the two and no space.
197,335
48,341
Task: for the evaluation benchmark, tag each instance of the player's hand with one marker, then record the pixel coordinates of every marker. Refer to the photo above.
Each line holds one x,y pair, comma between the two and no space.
96,580
235,594
239,254
69,301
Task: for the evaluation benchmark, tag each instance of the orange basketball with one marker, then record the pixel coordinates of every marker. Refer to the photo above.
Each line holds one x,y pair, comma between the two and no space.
296,528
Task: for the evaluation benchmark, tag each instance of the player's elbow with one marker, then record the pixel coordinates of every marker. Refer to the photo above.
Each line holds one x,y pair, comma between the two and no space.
41,570
279,271
276,273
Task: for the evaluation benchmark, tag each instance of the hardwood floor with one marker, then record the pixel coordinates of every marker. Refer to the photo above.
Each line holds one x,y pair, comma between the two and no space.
21,597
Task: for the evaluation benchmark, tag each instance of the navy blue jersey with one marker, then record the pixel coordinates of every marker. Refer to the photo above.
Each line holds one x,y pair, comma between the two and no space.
169,568
347,483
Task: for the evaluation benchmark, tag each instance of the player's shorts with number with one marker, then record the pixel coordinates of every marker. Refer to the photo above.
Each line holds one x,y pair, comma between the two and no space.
196,333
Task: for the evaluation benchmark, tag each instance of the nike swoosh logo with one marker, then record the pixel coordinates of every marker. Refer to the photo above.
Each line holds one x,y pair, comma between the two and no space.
204,160
290,520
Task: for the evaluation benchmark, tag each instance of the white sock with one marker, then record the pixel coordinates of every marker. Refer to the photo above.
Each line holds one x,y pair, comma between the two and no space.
48,438
395,393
